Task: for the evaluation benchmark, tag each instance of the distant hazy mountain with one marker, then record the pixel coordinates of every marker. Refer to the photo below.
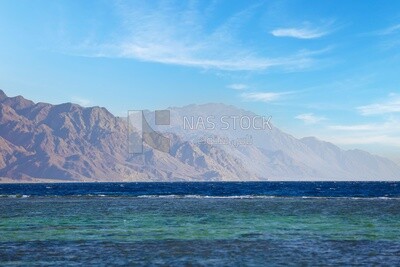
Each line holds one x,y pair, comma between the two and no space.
69,142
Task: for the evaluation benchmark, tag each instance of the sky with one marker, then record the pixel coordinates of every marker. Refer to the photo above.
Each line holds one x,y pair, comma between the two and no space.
329,69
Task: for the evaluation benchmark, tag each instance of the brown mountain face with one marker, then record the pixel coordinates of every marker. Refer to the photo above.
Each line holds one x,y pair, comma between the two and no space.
69,142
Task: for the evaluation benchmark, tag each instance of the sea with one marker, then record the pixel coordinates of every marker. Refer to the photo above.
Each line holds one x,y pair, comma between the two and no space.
200,224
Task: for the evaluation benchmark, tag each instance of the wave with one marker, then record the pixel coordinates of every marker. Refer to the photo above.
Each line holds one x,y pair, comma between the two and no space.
18,196
263,197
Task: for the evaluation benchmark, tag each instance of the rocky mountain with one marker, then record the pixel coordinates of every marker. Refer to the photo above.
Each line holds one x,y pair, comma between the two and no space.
70,143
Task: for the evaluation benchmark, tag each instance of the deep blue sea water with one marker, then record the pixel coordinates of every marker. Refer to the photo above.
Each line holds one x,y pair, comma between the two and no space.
211,189
200,224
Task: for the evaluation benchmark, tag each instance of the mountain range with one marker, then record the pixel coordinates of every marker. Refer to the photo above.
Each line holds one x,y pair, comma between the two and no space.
67,142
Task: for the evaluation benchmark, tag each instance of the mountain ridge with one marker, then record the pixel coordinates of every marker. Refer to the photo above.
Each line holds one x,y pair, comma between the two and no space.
67,142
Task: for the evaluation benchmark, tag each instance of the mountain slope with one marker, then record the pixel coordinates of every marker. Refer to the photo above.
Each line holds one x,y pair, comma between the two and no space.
69,142
276,155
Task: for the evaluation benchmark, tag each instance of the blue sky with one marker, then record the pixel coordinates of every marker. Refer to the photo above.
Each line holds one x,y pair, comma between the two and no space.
320,68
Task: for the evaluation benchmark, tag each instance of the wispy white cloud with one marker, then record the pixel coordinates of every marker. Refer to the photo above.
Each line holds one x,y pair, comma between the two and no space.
178,34
392,105
310,118
366,140
382,133
238,86
390,30
389,125
263,96
299,33
81,101
356,127
388,37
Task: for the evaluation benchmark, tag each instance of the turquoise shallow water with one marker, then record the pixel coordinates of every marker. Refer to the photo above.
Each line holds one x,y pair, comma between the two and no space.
253,231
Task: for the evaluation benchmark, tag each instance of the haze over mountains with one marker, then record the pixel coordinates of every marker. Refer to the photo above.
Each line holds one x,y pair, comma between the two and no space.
70,143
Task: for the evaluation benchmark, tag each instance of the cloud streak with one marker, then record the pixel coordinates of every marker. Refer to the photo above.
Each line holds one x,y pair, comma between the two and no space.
392,105
173,33
382,133
310,118
238,86
354,128
299,33
366,140
390,30
81,101
265,97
